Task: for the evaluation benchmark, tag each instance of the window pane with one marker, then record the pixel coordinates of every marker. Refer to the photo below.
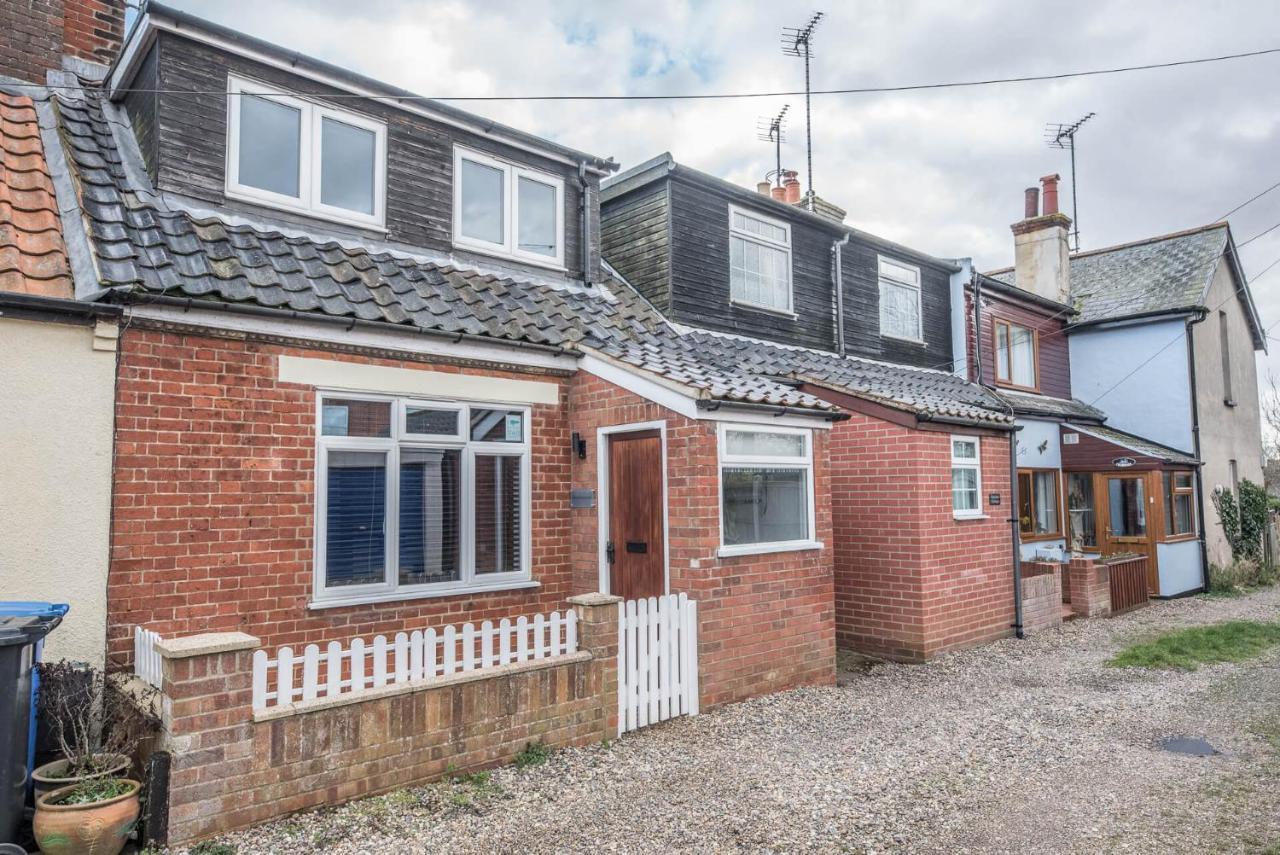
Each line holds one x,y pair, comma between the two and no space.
763,444
497,425
1080,513
1046,496
1182,480
356,502
1002,352
430,495
964,449
270,145
899,273
1128,507
1026,504
1022,356
497,514
899,310
1182,519
482,215
356,418
432,422
764,505
347,166
537,225
759,274
964,488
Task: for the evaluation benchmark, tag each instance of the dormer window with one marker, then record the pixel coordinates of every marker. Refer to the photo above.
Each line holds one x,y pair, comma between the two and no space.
1015,355
759,261
297,155
500,208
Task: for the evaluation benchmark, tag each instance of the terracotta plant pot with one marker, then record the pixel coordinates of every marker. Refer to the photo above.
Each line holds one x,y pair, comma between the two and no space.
46,778
95,828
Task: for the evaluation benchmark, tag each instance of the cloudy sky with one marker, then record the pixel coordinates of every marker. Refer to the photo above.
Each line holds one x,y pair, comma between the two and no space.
942,171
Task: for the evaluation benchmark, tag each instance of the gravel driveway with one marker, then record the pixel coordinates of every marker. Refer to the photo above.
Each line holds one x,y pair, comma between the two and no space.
1027,746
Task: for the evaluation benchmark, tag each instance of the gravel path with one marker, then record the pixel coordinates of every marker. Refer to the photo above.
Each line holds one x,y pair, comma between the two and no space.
1026,746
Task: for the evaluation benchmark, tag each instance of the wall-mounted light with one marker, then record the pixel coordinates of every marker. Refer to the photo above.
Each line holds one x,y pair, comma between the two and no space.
579,446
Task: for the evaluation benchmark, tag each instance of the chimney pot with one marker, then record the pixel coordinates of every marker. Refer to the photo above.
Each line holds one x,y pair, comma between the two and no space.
1050,183
779,193
764,188
791,184
1031,203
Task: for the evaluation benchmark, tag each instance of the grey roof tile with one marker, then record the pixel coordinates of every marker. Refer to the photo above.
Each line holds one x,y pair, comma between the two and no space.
1028,404
1136,443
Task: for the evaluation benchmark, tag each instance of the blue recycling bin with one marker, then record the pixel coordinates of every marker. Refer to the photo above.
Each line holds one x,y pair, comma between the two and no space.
23,626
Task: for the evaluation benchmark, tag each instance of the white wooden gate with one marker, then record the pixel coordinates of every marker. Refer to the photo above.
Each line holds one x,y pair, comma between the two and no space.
657,660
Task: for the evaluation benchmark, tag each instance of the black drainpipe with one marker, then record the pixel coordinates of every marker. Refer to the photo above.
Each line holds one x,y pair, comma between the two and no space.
1195,439
1014,527
585,210
837,276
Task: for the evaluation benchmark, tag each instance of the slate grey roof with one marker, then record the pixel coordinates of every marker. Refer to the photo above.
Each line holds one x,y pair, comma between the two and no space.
1135,443
1030,404
145,247
1162,274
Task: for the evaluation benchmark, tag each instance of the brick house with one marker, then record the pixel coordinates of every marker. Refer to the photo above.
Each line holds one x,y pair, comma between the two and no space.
923,562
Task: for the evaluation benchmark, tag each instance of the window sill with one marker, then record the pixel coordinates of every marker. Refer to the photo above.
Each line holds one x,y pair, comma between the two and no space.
497,252
400,596
918,341
769,310
962,517
767,548
1038,538
355,222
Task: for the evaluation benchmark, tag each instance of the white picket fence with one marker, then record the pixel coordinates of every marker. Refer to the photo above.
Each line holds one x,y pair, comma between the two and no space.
657,660
407,658
146,659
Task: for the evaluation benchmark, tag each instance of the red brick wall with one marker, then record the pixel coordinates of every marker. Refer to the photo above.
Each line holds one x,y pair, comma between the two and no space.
38,32
213,501
910,580
766,621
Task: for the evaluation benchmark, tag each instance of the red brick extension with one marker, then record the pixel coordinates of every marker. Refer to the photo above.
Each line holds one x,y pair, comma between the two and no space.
911,581
212,525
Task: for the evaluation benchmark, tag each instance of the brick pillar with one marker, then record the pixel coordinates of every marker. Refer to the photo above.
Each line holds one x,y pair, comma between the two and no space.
598,633
1090,587
208,722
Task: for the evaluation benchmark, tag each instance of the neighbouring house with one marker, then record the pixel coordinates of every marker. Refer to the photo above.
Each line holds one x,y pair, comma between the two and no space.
1180,394
921,468
57,382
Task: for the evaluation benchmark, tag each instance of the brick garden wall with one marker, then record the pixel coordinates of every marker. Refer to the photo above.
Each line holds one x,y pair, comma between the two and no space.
766,621
910,580
214,495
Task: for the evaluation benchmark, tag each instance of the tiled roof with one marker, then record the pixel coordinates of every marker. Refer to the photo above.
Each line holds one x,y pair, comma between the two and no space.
1161,274
1135,443
144,246
1027,404
33,259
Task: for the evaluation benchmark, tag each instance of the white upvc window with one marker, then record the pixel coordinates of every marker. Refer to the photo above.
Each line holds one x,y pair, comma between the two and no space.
500,208
759,261
766,489
419,498
298,155
966,477
900,300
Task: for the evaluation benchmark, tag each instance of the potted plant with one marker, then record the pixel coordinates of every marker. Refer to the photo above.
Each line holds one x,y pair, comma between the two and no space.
86,801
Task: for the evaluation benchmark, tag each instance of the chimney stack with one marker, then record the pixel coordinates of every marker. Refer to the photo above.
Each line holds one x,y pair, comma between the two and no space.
791,186
1042,261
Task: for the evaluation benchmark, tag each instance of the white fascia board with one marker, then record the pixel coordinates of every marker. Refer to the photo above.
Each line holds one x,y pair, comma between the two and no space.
154,21
420,382
390,339
683,399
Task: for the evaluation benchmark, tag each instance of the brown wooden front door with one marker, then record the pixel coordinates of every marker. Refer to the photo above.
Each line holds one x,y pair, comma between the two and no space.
1128,520
635,548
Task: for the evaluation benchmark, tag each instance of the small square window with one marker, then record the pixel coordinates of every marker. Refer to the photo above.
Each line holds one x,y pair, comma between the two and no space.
430,421
497,425
342,417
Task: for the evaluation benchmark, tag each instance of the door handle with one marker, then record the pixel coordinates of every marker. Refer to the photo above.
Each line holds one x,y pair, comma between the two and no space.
610,553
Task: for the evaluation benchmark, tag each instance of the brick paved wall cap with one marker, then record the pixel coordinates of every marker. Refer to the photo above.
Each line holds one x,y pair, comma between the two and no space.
206,644
596,599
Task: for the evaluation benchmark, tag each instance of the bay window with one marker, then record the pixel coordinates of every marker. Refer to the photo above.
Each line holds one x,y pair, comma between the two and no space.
759,261
298,155
966,477
1038,514
900,300
504,209
419,498
766,489
1015,355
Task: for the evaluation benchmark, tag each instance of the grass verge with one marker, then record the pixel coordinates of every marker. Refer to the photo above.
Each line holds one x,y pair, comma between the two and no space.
1187,649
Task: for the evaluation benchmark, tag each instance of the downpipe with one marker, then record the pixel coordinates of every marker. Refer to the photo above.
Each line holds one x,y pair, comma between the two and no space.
1195,441
1015,532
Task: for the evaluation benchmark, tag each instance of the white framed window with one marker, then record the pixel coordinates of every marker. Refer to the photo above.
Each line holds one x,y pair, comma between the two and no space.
899,300
419,498
759,261
966,477
766,489
500,208
298,155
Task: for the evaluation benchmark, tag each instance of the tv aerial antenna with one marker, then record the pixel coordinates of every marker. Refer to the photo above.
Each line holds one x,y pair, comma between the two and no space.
1059,135
798,41
774,130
